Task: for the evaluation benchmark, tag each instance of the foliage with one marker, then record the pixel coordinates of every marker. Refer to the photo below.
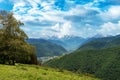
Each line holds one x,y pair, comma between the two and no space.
13,46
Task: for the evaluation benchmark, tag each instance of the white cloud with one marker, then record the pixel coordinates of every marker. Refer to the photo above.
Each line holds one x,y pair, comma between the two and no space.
86,17
111,14
110,29
58,30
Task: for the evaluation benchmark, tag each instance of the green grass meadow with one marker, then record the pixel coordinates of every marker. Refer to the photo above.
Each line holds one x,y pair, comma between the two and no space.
33,72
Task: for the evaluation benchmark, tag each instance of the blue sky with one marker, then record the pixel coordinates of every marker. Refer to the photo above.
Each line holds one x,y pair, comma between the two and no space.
84,18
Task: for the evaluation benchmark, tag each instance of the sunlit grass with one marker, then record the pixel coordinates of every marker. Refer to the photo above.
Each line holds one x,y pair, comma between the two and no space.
32,72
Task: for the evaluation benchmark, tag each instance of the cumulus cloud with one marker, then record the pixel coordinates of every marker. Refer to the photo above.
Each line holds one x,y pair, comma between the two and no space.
83,18
58,30
110,28
113,13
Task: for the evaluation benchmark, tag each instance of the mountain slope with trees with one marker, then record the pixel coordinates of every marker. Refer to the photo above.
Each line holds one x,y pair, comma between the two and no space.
45,48
100,57
99,43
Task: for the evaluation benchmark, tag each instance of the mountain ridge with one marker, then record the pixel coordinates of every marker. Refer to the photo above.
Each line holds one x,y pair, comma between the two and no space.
45,48
100,56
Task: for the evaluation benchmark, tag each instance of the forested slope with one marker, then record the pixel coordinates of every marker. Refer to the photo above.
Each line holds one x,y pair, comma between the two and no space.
100,57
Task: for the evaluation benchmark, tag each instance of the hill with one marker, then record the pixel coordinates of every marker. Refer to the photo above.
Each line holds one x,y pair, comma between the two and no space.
100,57
32,72
98,43
46,48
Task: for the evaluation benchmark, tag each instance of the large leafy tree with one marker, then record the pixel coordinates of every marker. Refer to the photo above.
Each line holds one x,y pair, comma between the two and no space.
13,46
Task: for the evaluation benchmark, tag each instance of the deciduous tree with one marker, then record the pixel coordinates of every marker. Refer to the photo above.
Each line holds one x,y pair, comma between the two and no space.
13,45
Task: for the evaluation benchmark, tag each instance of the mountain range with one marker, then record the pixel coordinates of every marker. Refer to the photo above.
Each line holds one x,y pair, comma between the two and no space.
54,46
98,56
70,43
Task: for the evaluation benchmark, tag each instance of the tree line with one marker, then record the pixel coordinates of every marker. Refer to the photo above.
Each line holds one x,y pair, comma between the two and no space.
13,45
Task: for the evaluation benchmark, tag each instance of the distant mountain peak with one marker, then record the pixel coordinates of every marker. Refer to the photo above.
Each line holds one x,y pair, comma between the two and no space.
61,38
98,36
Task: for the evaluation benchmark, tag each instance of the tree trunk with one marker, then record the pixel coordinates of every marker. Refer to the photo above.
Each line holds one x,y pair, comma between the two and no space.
13,62
4,58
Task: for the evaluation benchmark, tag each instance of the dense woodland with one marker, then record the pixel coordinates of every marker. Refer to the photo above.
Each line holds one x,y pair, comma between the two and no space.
13,45
100,57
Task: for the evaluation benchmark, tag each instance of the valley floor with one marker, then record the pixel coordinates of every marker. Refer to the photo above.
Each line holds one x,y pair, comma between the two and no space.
32,72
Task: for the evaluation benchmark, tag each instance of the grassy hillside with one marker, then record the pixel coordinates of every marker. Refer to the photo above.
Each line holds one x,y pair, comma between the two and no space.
32,72
46,48
100,57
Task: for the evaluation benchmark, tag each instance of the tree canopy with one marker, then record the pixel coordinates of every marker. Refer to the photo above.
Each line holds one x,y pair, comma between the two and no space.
13,45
